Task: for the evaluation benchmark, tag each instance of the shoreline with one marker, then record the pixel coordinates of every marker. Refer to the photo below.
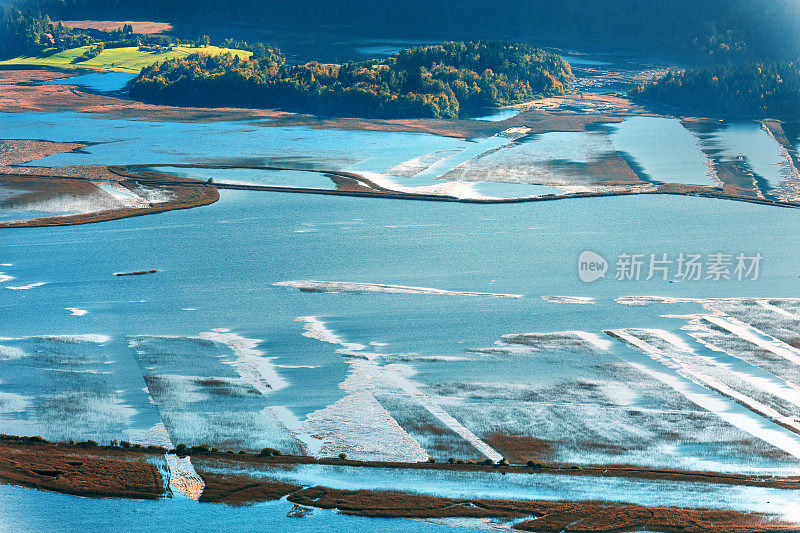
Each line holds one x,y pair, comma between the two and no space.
191,193
90,470
196,194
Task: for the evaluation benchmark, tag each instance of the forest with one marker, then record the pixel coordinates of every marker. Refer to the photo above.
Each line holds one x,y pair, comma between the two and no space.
749,88
708,31
448,80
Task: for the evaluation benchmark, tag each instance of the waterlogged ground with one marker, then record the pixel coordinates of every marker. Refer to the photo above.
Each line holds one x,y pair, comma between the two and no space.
210,350
22,511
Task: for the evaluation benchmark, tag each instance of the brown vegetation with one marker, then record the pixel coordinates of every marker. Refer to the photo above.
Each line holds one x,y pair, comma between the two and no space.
19,94
520,448
239,489
550,516
78,471
14,152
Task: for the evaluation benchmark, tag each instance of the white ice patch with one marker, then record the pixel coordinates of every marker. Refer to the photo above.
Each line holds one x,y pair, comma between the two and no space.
360,426
74,311
436,410
156,435
569,299
317,329
420,163
757,420
251,363
122,194
775,309
458,189
11,352
14,403
26,287
593,338
394,376
154,195
362,288
757,337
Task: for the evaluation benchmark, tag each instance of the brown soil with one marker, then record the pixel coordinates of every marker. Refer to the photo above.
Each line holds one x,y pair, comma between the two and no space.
550,516
736,176
240,490
14,152
34,189
18,94
140,27
185,192
104,471
520,448
76,471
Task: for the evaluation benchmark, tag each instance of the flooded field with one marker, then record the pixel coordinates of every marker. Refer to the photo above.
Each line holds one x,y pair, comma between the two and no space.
405,331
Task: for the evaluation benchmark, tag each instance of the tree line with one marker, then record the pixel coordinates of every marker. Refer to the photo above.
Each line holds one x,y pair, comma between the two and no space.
448,80
711,30
749,88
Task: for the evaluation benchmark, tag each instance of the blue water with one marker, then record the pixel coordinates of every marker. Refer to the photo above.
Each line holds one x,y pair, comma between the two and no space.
280,178
498,115
216,266
663,148
762,153
31,510
102,82
583,61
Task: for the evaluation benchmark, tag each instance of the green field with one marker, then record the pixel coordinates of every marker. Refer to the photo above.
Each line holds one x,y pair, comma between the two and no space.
128,59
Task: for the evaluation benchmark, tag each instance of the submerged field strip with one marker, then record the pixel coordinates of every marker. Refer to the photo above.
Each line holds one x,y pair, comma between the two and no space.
437,338
215,389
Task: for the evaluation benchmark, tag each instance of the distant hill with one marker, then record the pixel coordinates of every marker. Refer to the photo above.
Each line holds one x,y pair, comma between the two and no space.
715,30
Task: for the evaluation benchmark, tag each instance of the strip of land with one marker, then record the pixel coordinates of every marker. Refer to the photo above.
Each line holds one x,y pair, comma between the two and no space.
87,469
138,27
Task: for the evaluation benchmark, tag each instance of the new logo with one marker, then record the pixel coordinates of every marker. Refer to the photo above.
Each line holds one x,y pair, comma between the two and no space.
591,266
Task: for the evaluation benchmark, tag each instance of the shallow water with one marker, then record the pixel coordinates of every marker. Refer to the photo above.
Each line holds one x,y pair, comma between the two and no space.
22,510
101,82
280,178
217,265
495,485
665,150
498,115
752,142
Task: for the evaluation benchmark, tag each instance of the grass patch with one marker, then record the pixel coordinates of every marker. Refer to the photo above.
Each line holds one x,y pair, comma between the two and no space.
127,59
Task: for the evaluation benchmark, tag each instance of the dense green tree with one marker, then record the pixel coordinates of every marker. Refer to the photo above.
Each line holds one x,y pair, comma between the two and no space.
447,80
755,89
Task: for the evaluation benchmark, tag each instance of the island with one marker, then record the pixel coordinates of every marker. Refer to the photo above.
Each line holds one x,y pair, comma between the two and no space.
448,80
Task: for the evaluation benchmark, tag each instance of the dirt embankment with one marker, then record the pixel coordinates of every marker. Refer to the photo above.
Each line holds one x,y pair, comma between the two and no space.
79,471
537,515
102,471
548,516
184,193
241,490
16,151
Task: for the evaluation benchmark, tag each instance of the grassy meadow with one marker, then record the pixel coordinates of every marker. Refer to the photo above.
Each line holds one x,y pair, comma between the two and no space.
128,59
